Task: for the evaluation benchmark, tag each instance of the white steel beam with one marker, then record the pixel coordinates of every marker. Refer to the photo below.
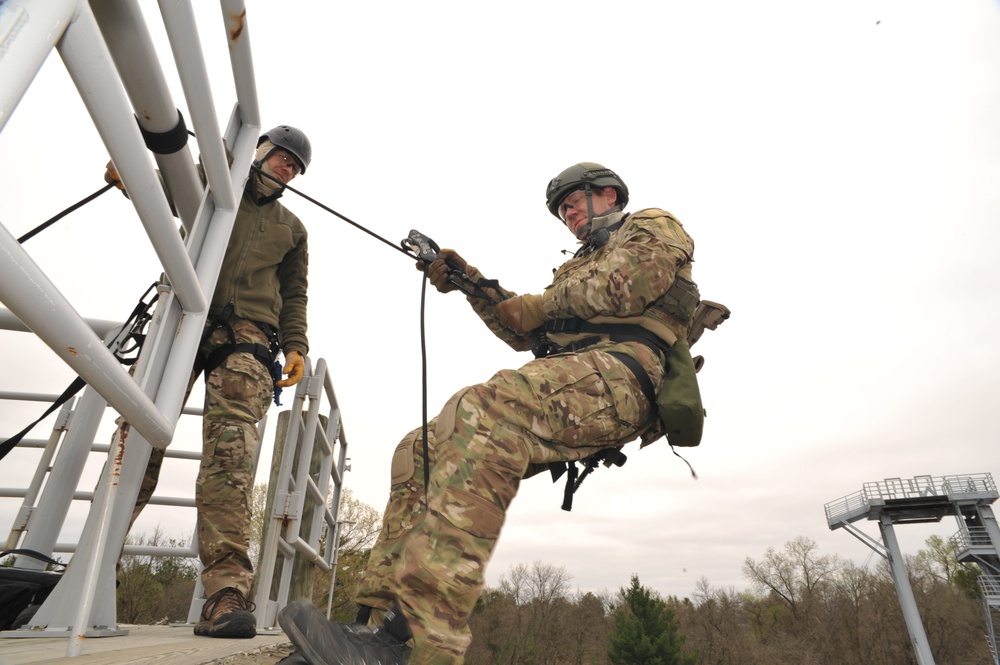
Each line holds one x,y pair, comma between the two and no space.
36,301
182,32
29,30
234,15
89,64
125,32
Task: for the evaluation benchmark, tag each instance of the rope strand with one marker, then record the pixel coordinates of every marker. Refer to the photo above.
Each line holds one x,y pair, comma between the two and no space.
44,225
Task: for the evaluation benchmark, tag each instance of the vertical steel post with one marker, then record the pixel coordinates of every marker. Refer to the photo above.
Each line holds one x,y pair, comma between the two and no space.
49,515
905,592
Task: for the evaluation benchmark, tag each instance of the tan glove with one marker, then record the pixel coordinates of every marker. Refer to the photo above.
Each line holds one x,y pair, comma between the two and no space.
111,176
522,314
295,368
437,271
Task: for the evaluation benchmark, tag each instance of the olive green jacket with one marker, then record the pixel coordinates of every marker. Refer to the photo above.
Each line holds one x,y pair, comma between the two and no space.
265,271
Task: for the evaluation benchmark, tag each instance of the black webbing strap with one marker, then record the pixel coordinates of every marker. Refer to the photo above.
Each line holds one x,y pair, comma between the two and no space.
571,474
616,332
219,355
168,142
73,389
34,555
640,374
137,320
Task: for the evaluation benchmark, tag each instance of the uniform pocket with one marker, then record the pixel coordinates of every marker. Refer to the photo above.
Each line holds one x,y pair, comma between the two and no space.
402,459
586,399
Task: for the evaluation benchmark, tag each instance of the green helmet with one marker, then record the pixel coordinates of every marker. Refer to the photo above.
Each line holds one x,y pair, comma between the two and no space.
291,139
579,176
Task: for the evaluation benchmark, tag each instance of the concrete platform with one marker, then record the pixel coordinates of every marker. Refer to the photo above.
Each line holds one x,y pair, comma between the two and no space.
147,645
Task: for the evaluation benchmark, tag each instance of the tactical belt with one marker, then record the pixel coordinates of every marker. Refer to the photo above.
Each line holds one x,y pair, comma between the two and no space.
616,332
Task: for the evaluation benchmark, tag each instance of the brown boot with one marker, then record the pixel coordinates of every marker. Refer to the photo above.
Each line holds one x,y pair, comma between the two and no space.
227,613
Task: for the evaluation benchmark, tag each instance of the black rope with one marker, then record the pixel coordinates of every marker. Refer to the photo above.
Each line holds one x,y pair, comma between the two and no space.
423,334
41,227
423,390
332,211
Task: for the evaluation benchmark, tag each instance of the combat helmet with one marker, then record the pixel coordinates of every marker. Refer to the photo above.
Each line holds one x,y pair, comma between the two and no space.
583,176
291,139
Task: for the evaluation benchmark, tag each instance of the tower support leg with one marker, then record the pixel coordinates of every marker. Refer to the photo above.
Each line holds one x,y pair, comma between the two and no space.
905,592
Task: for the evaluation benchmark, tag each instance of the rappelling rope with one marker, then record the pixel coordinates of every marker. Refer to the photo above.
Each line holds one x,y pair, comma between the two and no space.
44,225
8,445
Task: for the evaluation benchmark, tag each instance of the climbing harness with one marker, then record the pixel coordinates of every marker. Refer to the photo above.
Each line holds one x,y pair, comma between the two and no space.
265,355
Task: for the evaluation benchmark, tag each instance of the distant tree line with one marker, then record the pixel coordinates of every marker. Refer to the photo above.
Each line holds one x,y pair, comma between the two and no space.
800,608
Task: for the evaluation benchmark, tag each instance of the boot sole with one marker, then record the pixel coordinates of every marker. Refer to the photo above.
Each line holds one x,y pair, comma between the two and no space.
235,625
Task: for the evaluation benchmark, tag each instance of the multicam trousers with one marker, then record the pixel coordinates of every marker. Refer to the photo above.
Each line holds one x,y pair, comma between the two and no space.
431,557
237,395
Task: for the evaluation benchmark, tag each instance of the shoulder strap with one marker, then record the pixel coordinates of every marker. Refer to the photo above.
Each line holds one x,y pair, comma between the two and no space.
34,555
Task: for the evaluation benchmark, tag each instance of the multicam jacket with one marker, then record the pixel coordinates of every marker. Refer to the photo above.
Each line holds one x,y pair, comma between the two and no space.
624,281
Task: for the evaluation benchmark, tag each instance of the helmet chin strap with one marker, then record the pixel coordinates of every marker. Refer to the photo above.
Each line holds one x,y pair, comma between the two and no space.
590,212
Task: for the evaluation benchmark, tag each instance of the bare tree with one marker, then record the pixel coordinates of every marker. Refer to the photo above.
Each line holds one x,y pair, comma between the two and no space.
794,575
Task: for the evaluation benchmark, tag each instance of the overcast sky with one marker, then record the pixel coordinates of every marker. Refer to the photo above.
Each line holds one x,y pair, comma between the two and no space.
836,163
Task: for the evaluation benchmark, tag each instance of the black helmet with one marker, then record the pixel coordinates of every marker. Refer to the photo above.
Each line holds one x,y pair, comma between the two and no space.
577,177
291,139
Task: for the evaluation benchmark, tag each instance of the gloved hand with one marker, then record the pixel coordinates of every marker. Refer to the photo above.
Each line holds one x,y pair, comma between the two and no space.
437,271
295,368
522,314
111,176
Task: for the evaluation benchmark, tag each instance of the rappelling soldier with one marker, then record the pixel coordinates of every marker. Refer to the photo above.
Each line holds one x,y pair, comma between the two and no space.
601,333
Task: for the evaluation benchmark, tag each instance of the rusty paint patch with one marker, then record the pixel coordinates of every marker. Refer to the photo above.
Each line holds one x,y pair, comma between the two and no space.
240,21
116,468
72,350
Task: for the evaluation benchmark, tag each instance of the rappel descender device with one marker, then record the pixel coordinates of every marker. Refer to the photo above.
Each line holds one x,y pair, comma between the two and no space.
425,249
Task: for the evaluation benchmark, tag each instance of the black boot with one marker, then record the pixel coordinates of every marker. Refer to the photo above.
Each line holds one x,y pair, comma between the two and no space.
323,642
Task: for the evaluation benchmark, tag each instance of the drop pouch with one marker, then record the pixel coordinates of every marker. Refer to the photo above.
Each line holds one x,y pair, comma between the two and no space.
679,400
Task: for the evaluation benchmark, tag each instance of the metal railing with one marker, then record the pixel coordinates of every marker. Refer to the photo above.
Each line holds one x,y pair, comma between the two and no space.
977,484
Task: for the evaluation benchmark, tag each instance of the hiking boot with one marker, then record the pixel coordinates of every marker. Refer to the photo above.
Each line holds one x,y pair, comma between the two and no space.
227,613
323,642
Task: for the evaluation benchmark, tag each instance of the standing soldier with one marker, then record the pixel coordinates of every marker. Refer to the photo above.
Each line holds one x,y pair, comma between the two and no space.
602,331
259,307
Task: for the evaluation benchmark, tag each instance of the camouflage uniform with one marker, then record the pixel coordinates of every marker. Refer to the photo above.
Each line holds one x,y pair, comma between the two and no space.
263,279
431,559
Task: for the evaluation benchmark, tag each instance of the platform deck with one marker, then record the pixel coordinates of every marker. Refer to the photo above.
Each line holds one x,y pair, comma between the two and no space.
147,645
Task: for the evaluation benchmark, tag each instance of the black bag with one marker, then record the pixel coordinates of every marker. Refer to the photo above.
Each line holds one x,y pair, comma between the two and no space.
20,588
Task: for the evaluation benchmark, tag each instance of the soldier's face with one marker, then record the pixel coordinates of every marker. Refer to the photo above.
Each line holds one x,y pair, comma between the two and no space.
573,209
283,165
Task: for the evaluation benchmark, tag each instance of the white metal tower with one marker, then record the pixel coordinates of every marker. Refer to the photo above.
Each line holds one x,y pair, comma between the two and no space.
921,499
